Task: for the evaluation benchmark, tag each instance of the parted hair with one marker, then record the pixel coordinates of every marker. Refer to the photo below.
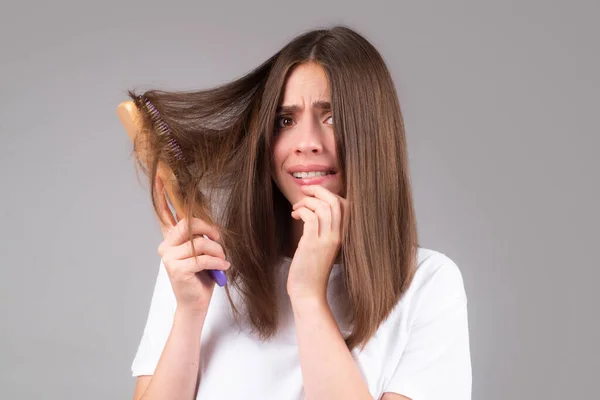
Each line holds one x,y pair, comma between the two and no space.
225,134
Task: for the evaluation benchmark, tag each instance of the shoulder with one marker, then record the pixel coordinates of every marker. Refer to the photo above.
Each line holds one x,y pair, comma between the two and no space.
437,285
429,335
434,265
434,268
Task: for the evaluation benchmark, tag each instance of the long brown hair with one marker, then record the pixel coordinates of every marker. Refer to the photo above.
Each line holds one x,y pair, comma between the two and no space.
225,134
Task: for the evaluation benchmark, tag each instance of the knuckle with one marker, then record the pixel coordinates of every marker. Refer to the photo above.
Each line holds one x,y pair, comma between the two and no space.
199,245
163,248
201,262
167,258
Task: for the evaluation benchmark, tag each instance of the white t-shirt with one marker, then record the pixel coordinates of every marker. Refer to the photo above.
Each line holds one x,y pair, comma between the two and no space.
420,351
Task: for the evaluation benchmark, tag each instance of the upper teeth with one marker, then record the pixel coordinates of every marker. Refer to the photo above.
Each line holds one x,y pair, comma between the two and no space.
309,174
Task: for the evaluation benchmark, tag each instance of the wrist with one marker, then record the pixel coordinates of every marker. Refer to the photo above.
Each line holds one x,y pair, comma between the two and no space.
195,314
306,295
308,301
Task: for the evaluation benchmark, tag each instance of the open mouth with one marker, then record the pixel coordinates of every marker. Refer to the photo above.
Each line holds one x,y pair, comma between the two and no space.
312,178
309,175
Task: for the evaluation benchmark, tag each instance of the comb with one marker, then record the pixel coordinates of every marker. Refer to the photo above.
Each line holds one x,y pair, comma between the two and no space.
131,119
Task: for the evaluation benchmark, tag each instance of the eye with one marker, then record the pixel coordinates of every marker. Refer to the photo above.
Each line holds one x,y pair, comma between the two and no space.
283,121
329,120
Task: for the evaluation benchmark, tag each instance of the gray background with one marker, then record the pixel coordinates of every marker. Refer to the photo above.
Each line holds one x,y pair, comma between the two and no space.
501,104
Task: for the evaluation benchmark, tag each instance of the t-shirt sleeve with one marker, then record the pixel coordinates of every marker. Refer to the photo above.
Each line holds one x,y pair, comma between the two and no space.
436,362
158,325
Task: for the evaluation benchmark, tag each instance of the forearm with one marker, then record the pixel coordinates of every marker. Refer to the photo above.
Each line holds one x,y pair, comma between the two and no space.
328,369
176,374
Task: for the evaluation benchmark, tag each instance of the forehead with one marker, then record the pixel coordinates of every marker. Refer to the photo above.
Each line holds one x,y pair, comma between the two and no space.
305,84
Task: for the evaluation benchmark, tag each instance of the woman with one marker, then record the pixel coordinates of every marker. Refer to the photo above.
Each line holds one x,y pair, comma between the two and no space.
329,295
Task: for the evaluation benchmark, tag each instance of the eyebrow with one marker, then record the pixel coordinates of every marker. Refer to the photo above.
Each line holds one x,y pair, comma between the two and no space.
294,108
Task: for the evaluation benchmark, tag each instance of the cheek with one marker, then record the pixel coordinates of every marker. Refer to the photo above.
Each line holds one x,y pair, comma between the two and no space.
331,145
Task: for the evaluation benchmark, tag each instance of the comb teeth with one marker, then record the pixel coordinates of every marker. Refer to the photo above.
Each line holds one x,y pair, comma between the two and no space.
163,129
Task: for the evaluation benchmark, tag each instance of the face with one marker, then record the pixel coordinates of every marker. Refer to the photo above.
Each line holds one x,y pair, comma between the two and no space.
304,144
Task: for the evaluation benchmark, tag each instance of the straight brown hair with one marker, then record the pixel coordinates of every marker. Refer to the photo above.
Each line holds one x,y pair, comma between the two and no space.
225,134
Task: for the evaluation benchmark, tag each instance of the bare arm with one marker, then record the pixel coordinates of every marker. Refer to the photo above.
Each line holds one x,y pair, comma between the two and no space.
176,374
328,369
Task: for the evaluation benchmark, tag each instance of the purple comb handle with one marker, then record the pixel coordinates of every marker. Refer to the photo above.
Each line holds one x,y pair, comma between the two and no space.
218,276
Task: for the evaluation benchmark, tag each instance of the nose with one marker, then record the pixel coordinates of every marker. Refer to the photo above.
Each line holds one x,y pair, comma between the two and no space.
309,139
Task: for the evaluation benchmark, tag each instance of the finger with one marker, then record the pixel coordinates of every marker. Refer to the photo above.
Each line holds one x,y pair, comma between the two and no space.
168,222
321,193
322,209
202,246
179,233
337,203
196,264
311,221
